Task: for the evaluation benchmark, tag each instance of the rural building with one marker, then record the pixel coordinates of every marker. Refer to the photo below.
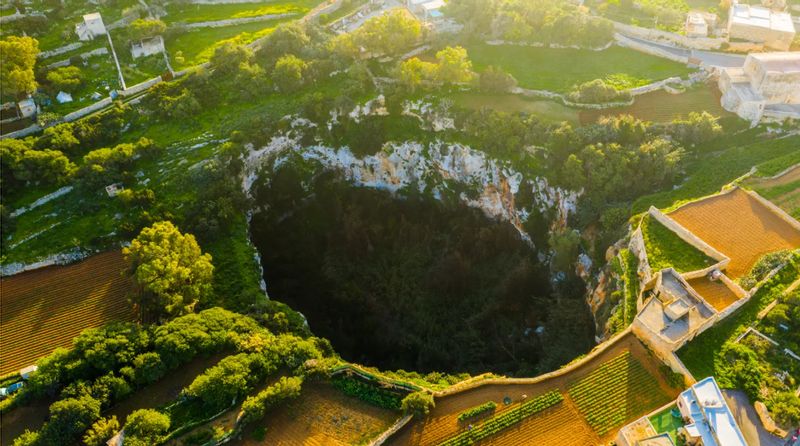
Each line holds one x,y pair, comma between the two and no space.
757,24
768,85
779,5
696,25
426,10
27,108
147,47
711,422
707,421
91,27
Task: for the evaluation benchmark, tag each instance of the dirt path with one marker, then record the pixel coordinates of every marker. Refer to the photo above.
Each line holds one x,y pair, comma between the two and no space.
790,176
442,422
748,421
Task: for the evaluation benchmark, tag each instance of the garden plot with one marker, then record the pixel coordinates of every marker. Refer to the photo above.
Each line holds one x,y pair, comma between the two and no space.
321,415
641,389
559,70
46,308
196,13
739,226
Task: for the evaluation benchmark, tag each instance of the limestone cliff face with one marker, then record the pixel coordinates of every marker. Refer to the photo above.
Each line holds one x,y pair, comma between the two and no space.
437,168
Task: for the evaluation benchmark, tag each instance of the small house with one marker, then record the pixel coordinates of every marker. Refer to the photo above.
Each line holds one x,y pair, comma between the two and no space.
27,108
91,27
147,47
773,29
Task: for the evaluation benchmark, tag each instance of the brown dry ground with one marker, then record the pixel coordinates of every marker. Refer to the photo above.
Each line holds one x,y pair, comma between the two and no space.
715,292
44,309
561,425
739,226
321,416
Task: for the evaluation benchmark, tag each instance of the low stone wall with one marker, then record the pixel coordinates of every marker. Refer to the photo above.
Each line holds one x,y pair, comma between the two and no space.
657,35
239,21
138,88
391,431
687,235
649,49
66,62
775,209
77,114
11,17
497,42
60,50
637,247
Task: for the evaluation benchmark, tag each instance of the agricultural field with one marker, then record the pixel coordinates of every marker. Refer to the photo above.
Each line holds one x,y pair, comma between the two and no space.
665,249
322,415
661,106
783,191
615,393
549,111
640,375
46,308
739,226
560,69
194,13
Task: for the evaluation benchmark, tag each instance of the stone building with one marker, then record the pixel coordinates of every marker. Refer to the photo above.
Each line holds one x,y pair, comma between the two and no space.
91,27
773,29
767,86
147,47
700,24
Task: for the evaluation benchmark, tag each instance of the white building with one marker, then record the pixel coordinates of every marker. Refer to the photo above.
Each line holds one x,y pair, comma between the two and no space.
91,27
757,24
710,421
147,47
768,85
696,25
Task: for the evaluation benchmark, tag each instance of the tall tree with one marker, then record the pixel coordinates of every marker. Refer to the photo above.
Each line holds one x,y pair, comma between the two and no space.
172,273
17,59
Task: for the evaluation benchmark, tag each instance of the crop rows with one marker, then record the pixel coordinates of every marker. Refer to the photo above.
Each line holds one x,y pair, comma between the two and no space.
47,308
617,391
505,419
473,412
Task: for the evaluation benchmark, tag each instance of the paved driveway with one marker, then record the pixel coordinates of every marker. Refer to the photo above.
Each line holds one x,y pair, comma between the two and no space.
748,421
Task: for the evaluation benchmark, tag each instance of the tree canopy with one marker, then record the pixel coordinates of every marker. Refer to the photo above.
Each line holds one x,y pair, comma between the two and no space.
172,274
17,59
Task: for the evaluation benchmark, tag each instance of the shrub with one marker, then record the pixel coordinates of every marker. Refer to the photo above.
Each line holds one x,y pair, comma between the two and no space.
762,267
368,392
145,427
418,403
101,431
597,92
256,406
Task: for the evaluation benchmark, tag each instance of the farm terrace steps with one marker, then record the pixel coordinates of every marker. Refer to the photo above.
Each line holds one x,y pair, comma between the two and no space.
739,226
46,308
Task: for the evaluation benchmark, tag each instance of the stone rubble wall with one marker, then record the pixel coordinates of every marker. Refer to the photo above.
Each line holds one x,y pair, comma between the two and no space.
60,50
656,35
239,21
66,62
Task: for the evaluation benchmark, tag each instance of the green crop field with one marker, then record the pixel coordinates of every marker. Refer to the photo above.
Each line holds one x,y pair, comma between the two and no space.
560,69
193,13
617,391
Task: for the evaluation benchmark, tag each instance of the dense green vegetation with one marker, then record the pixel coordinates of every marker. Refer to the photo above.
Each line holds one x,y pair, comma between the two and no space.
665,249
630,265
370,393
778,165
506,419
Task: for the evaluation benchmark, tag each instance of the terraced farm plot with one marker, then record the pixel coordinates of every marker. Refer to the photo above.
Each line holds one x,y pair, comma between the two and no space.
661,106
561,424
739,226
665,249
615,393
46,308
321,416
783,191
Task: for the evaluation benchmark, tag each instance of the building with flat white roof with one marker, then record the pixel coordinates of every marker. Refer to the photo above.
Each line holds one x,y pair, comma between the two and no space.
774,29
711,422
91,27
768,85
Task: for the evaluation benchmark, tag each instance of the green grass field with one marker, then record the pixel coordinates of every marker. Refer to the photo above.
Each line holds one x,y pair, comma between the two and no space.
192,13
665,422
550,111
665,249
560,69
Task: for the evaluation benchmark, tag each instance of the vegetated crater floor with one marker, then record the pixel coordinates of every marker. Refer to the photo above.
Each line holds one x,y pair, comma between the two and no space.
412,282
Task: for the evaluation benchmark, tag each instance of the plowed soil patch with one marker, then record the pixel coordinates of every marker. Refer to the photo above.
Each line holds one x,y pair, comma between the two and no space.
715,292
44,309
321,416
739,226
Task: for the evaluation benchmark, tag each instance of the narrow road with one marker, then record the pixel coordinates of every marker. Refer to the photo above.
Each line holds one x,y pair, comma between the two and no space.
709,58
748,421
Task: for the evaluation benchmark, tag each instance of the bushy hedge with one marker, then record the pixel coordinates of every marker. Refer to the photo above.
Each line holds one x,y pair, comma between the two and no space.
473,412
369,393
256,406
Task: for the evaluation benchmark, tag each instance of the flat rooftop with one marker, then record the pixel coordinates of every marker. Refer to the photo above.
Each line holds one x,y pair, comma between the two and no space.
760,17
710,413
739,226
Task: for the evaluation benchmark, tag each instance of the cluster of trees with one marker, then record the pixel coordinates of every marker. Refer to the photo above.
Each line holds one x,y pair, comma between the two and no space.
386,35
597,92
452,67
543,21
141,29
664,14
107,364
418,403
17,61
68,79
110,164
21,164
254,407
